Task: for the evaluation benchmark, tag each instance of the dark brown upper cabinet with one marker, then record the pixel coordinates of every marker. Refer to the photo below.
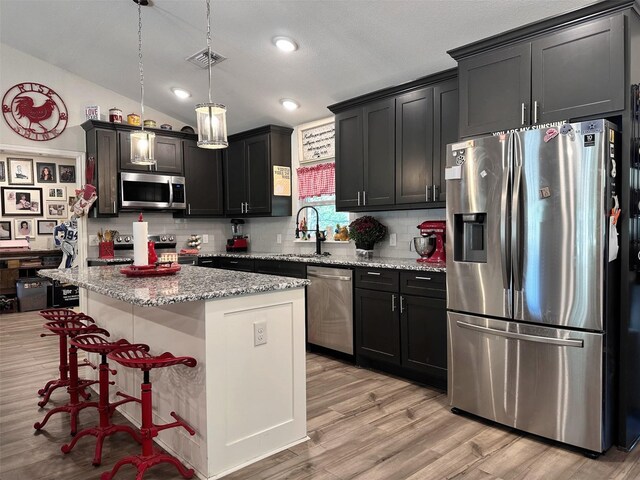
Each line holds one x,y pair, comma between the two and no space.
108,145
102,148
565,74
167,151
249,172
203,181
390,145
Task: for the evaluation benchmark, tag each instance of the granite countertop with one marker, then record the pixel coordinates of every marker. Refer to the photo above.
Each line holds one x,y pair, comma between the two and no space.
339,260
188,285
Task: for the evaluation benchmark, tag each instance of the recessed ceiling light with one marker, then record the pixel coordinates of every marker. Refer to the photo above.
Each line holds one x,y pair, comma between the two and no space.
181,93
289,104
285,44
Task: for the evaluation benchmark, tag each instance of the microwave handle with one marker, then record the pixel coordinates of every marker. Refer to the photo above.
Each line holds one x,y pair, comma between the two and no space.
170,192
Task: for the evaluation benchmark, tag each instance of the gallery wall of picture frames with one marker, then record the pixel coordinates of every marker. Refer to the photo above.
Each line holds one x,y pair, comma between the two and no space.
35,194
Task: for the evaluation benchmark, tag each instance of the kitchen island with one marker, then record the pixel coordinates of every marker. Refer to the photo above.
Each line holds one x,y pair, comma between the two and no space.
246,401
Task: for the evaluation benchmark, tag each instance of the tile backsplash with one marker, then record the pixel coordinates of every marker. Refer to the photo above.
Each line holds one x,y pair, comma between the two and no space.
263,232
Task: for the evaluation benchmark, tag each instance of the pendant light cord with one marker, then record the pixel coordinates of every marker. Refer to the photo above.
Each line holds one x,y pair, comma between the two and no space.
141,66
209,45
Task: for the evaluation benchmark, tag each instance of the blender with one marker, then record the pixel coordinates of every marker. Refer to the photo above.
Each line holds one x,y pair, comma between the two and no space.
238,242
430,244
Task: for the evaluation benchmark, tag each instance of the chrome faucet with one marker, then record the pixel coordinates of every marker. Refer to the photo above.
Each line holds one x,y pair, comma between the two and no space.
320,236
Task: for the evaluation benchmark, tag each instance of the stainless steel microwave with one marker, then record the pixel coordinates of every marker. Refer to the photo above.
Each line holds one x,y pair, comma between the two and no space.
152,192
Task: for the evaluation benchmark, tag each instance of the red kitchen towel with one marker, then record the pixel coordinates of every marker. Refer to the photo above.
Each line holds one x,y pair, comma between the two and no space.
317,180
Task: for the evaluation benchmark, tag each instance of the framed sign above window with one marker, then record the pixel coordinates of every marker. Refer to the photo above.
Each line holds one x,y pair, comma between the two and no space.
317,141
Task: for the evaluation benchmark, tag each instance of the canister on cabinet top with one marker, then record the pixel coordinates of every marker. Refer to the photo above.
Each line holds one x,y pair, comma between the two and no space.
150,123
166,126
115,115
133,119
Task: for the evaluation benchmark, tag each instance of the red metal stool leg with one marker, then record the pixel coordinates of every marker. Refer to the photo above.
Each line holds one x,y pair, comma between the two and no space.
149,456
105,409
74,406
148,431
61,314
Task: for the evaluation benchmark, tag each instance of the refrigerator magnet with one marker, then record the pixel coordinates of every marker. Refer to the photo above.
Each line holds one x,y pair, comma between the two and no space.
550,134
568,131
453,173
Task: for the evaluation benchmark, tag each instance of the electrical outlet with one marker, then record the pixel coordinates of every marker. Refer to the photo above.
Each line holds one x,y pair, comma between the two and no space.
248,237
205,238
279,238
93,240
392,240
259,333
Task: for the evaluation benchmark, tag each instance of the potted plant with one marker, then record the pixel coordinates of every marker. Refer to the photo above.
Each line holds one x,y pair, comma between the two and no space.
365,232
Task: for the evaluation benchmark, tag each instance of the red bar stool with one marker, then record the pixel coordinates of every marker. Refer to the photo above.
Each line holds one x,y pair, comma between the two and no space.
71,328
60,314
96,344
135,357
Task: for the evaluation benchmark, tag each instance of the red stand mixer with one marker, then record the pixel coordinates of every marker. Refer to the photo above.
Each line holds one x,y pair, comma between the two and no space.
430,244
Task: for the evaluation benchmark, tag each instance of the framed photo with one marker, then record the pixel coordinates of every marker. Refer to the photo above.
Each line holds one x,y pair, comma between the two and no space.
45,227
72,201
56,193
67,173
56,210
21,201
24,227
5,230
3,172
46,172
20,171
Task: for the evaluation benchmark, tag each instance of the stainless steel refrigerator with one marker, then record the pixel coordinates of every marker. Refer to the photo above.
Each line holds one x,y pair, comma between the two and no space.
529,280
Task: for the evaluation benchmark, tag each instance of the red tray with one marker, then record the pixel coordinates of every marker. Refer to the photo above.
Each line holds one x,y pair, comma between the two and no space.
150,270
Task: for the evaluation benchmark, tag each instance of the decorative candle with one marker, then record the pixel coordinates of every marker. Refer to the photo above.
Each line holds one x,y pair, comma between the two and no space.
140,247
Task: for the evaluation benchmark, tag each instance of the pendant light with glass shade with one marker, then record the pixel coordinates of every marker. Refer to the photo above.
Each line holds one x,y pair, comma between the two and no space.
142,141
211,117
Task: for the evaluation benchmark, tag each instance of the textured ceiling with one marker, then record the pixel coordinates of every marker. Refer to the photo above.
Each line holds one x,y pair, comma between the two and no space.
347,47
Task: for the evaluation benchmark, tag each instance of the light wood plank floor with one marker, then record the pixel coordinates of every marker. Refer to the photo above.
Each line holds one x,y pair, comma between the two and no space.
362,426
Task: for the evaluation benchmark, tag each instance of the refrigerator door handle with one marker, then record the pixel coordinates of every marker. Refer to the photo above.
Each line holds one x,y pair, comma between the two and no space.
515,218
504,226
561,342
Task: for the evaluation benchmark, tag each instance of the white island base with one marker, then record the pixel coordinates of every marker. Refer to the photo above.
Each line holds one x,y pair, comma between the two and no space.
245,402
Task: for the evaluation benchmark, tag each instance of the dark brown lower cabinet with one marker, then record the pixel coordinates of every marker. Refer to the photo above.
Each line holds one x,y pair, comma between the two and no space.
403,331
377,325
423,327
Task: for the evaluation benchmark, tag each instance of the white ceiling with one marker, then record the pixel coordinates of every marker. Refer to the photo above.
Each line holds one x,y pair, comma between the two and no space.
347,47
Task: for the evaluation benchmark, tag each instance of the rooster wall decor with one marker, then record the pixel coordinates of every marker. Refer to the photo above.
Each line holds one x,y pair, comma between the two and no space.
34,111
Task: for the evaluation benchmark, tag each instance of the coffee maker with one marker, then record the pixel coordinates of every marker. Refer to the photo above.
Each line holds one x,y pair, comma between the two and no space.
238,242
430,243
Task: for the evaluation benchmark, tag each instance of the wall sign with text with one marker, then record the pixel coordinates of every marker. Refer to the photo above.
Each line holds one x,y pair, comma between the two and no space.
34,111
317,142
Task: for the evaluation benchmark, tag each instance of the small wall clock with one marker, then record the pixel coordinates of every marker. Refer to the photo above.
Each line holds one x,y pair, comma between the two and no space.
34,111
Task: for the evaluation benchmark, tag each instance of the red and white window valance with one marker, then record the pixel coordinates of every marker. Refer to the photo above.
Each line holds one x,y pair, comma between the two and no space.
317,180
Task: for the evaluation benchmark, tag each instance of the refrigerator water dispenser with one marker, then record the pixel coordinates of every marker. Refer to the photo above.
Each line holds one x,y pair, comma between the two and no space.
470,237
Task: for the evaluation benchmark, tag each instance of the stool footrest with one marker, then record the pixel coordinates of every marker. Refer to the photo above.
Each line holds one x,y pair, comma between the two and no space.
127,399
178,423
87,363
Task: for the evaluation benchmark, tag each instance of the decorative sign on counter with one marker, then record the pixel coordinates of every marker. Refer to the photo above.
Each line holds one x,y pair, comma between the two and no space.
317,142
281,181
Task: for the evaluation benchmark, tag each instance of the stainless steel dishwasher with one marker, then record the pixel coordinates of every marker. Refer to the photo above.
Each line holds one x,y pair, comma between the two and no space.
330,308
